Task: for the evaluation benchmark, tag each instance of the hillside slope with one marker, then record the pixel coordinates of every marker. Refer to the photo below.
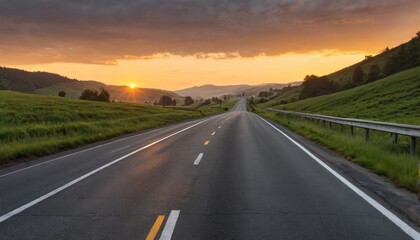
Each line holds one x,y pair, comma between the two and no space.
345,75
24,81
50,84
74,89
208,91
393,99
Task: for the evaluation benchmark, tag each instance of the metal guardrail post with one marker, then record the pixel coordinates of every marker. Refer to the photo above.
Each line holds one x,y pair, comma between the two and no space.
413,144
395,129
367,134
394,138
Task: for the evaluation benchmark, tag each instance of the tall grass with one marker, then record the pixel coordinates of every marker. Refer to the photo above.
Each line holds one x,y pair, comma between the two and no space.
34,126
378,154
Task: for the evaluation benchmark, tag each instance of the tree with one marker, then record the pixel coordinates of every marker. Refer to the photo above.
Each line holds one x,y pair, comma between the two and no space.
93,95
215,99
173,102
89,94
406,57
188,101
263,100
374,72
368,57
165,101
62,94
2,86
265,93
315,86
103,96
358,75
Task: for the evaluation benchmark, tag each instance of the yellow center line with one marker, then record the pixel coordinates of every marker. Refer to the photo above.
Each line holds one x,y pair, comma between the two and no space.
155,227
213,133
206,142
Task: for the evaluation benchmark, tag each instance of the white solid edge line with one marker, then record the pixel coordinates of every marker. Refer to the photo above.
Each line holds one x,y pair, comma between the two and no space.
198,159
71,154
388,214
69,184
81,151
169,228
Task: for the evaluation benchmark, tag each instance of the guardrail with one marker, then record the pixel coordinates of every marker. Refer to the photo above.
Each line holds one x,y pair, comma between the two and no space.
413,131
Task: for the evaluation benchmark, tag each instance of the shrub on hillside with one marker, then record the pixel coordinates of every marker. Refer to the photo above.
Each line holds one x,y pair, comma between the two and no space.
62,94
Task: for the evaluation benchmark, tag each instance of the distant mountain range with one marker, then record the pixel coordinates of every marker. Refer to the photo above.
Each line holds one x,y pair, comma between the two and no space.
50,84
208,91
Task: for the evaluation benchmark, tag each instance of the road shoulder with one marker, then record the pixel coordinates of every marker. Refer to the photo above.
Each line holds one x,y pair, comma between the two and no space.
398,199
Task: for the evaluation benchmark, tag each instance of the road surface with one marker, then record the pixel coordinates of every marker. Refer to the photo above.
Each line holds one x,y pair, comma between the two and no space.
230,176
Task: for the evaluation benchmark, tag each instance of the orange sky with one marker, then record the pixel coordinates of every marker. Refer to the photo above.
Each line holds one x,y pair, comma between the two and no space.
176,72
177,44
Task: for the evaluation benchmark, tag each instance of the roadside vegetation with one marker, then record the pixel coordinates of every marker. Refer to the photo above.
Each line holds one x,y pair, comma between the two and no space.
378,154
395,98
35,126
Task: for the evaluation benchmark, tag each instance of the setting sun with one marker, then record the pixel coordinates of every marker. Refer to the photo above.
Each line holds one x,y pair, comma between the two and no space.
132,86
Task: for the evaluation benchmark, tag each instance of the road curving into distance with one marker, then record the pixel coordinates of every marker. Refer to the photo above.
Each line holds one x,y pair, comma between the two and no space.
230,176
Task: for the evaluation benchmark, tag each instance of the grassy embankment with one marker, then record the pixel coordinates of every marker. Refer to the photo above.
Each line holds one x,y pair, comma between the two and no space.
34,126
392,99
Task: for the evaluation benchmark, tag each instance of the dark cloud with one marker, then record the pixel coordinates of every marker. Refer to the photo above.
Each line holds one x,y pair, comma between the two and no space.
93,31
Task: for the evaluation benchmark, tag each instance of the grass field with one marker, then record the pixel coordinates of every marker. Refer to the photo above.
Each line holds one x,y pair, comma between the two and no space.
34,126
392,99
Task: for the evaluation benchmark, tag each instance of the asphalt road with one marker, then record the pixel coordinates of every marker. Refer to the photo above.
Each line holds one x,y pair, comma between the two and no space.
230,176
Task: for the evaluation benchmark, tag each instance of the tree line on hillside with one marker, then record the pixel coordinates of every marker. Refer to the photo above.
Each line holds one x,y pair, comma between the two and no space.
93,95
24,81
272,93
166,100
407,56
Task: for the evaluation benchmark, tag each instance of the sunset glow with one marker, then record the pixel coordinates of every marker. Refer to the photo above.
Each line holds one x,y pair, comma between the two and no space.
176,72
200,42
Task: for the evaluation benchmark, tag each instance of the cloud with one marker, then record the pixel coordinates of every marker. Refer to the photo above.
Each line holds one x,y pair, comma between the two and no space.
103,31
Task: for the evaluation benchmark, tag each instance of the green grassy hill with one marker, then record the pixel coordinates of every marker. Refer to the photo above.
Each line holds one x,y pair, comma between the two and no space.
390,61
35,125
393,99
